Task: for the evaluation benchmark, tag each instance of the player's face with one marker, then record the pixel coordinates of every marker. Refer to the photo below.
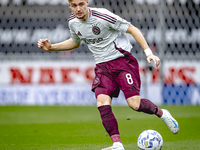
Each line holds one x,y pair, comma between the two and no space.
79,8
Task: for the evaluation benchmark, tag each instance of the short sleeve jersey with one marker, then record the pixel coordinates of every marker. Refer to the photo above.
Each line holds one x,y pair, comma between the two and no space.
103,32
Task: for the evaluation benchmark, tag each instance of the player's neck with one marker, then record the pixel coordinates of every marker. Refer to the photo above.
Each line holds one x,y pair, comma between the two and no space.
86,16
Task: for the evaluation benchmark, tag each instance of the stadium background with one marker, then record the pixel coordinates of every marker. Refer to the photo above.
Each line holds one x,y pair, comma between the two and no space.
30,76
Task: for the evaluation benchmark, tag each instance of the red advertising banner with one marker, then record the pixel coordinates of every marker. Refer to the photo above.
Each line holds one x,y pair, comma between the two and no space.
82,72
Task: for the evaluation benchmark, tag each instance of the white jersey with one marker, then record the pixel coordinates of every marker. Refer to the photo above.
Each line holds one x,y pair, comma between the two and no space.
103,32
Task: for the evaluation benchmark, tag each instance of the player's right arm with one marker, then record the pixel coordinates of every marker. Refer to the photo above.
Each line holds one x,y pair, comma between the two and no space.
46,45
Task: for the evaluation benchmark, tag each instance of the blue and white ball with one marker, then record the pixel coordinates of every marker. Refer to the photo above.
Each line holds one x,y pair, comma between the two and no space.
150,140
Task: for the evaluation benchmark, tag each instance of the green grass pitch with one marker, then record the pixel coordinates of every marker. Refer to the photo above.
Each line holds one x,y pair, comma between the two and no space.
80,128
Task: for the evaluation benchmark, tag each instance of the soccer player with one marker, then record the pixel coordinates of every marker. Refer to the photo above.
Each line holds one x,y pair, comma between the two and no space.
116,69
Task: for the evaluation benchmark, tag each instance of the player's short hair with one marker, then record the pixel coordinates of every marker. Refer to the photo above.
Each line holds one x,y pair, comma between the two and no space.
70,1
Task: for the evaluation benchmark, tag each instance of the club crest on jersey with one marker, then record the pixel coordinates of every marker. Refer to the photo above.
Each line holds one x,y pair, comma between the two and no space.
96,30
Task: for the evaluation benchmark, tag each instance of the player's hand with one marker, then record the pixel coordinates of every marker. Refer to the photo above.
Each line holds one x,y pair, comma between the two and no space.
44,44
155,59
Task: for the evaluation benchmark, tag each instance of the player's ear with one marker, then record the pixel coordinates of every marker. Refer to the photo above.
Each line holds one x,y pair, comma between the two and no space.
87,2
70,5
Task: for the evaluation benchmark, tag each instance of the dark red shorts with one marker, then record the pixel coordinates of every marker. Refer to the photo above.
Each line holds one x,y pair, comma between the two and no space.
115,75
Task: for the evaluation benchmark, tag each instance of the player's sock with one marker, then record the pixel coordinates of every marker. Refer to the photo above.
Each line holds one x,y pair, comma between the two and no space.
148,107
159,112
109,122
115,138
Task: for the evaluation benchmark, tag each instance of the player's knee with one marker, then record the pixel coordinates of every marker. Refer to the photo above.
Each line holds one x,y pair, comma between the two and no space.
134,106
134,102
103,100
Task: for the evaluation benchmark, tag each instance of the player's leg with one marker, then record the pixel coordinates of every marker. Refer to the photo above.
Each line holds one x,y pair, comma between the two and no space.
105,88
129,82
109,121
146,106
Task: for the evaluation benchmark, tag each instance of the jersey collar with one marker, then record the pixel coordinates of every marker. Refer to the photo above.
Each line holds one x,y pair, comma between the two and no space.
90,13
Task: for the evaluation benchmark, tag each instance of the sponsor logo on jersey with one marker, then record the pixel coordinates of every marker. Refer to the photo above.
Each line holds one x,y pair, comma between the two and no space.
92,41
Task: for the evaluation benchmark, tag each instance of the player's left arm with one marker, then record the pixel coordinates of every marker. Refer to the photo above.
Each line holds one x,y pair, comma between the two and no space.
137,35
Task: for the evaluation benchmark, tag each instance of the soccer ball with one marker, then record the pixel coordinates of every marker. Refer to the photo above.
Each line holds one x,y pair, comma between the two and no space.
150,140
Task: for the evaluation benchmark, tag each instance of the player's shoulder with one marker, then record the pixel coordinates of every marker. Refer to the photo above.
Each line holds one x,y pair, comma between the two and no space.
103,14
102,10
72,18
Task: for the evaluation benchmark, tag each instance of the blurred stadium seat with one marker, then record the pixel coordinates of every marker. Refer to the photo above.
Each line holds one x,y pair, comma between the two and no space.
23,22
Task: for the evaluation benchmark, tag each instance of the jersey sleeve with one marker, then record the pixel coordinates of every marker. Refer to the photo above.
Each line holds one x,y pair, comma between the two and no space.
74,37
119,23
